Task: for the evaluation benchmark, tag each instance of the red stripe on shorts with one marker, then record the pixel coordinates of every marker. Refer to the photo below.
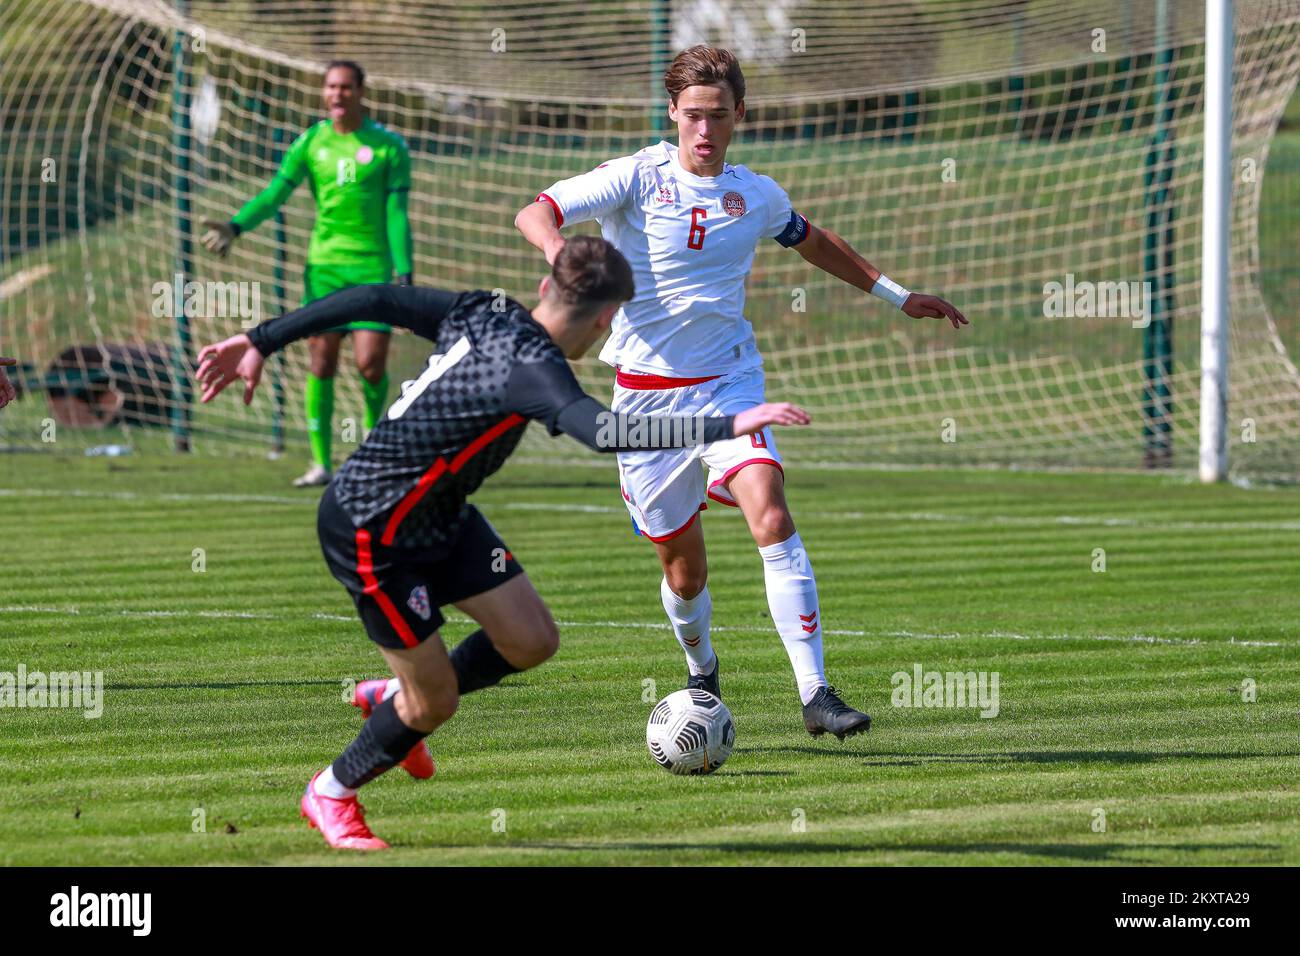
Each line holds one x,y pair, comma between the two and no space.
366,569
644,381
732,471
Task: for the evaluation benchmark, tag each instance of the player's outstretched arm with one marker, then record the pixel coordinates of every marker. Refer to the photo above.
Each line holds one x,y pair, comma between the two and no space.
596,194
220,235
7,391
547,391
588,421
292,171
408,307
830,253
537,223
241,356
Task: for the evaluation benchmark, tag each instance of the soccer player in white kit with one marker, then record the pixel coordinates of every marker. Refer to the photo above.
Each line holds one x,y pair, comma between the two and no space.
689,223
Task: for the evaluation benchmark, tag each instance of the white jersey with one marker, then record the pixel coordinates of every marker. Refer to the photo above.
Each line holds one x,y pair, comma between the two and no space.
690,241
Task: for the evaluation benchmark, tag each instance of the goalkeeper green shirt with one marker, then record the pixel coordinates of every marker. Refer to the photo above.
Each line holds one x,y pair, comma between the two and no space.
360,182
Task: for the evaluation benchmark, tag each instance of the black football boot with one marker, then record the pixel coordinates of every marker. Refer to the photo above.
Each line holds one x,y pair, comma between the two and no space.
826,713
707,682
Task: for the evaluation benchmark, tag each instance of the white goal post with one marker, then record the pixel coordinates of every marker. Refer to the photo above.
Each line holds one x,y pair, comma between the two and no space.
1215,226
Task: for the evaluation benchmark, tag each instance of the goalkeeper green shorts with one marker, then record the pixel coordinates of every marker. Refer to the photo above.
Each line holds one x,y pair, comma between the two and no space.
320,279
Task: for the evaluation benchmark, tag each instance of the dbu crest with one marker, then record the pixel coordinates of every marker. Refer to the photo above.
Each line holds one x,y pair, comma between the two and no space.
419,602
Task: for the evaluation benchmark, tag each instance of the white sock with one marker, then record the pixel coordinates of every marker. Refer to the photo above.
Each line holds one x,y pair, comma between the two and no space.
394,685
327,786
792,599
690,620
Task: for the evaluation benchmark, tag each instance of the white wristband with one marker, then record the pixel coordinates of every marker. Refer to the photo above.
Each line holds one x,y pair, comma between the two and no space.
889,290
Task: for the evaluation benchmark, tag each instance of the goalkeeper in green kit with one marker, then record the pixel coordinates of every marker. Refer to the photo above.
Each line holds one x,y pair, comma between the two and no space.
360,177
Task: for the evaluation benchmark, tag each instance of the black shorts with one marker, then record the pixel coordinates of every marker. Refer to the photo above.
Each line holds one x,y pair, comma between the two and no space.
399,591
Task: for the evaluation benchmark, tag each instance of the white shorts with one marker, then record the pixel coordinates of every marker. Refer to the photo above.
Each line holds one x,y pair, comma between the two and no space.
665,490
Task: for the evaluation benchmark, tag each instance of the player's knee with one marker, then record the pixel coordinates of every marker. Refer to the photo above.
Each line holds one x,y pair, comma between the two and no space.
324,366
430,710
685,581
372,370
443,704
543,639
549,639
771,525
428,705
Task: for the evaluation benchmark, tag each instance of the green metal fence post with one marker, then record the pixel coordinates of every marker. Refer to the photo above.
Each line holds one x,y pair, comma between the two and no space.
182,393
281,303
1016,82
1158,262
660,45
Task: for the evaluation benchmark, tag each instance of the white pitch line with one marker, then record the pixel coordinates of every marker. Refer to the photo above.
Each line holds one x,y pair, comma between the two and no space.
562,508
1081,520
18,282
131,612
155,496
649,625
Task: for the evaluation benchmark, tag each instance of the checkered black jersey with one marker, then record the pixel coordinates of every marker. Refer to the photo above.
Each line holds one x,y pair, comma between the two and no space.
492,370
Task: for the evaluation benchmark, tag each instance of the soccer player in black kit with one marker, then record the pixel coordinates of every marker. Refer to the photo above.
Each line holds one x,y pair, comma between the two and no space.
394,524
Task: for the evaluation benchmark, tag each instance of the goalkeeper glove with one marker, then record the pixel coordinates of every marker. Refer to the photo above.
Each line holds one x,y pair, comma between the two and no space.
219,236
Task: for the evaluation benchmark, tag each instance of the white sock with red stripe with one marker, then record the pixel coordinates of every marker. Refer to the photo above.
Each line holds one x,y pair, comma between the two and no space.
690,620
792,599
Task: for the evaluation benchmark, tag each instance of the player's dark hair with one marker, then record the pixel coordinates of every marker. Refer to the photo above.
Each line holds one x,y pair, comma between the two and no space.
352,65
590,273
704,66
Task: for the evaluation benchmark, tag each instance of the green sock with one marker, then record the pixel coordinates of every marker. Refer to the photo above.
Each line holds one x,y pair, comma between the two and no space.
376,395
320,418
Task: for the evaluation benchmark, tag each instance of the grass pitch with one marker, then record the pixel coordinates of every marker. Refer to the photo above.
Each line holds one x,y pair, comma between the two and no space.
1121,692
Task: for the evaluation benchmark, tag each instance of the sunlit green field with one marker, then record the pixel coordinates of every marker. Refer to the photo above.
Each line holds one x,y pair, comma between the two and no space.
1147,712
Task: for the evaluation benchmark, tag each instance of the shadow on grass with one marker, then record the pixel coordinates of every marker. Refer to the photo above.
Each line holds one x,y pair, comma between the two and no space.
1071,756
225,685
1024,756
754,773
1102,852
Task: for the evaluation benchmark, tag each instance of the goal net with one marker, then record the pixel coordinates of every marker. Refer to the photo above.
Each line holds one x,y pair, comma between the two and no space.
1038,162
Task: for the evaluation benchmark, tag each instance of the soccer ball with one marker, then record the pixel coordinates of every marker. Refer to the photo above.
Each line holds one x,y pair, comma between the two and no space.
690,731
